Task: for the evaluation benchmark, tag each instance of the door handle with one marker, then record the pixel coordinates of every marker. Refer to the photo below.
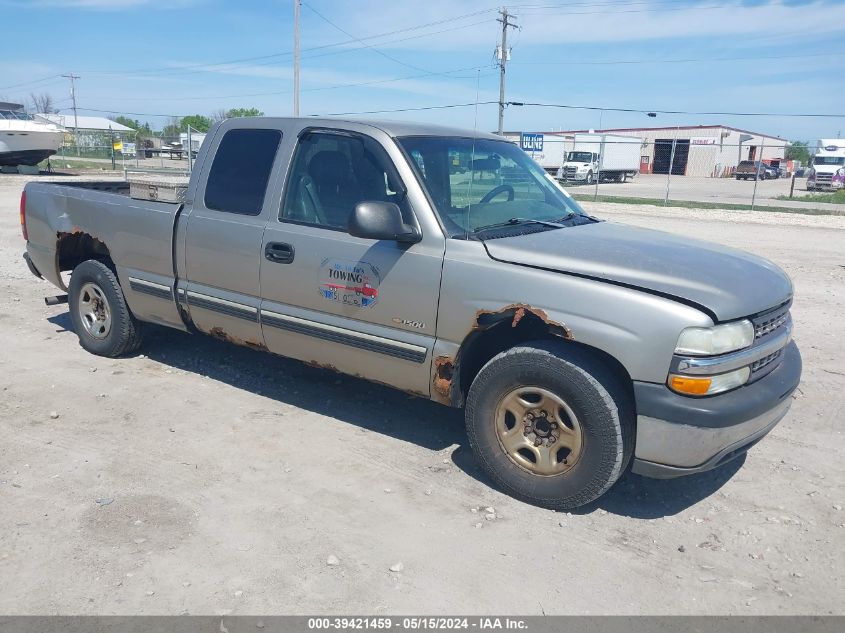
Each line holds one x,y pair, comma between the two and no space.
279,252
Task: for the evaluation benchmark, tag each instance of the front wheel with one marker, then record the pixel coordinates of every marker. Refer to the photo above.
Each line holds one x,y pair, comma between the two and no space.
590,180
99,313
550,424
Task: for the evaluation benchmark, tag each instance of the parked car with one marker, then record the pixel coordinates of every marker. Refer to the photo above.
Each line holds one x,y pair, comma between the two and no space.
772,172
753,169
578,348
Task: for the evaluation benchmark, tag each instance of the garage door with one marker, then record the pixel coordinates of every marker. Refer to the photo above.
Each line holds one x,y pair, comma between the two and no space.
663,156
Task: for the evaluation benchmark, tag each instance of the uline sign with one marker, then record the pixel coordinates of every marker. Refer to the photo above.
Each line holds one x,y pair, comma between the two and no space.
531,141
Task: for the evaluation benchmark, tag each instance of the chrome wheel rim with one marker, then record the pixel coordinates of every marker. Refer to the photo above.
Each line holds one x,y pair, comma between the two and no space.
538,431
94,312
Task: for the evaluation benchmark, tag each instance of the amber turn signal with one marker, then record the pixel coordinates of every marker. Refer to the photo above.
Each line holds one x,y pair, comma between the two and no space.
689,385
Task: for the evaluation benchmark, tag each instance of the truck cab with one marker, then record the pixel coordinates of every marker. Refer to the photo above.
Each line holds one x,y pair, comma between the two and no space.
827,171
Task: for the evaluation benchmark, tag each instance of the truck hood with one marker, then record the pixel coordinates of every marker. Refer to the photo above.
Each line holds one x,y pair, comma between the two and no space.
727,283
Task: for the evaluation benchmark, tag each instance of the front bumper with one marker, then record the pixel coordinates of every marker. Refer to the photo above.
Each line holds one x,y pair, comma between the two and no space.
678,435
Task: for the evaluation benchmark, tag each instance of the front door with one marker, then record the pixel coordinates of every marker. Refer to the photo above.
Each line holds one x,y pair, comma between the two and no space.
363,307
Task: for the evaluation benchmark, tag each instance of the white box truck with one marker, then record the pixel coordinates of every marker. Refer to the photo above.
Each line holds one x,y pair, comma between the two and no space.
608,157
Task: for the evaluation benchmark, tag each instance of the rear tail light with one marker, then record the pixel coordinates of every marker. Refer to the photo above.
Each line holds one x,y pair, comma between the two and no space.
23,216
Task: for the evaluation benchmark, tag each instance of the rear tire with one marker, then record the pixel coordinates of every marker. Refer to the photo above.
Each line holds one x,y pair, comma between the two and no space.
565,390
98,311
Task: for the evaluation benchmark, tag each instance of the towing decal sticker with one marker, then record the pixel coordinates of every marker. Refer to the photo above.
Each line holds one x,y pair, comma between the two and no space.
350,283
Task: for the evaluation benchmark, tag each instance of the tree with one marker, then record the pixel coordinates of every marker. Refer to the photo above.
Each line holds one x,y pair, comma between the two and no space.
799,150
43,103
197,121
223,114
173,127
142,129
236,112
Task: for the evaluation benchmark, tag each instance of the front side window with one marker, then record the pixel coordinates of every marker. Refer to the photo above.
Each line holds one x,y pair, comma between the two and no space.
476,183
331,174
241,170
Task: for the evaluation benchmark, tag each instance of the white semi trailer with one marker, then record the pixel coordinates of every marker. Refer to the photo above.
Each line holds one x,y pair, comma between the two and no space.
602,156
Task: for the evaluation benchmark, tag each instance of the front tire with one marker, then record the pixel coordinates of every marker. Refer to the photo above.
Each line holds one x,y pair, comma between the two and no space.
550,424
590,179
98,311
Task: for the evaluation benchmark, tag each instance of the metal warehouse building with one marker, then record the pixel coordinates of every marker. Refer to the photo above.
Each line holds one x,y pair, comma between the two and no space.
699,150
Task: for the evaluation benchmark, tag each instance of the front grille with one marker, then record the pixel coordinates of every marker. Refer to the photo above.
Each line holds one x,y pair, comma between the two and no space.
824,178
759,364
771,321
569,172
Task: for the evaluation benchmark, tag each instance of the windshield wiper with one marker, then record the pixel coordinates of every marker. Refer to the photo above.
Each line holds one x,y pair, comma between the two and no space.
516,221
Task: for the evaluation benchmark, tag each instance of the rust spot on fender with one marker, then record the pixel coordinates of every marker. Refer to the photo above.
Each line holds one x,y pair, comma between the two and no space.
444,370
317,365
516,312
221,334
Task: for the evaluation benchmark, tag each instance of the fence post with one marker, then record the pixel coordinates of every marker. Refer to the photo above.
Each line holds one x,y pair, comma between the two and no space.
669,174
598,170
190,152
792,186
757,177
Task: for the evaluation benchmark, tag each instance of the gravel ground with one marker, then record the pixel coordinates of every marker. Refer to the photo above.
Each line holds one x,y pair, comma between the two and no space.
204,478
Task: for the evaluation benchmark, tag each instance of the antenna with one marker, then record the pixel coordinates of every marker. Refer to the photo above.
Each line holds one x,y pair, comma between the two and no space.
297,6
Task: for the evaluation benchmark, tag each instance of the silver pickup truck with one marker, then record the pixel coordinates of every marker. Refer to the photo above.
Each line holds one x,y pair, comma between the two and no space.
445,263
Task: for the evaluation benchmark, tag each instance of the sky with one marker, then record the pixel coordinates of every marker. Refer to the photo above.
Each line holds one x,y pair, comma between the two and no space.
150,59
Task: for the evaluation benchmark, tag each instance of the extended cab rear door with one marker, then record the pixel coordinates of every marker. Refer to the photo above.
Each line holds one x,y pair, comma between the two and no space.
223,230
365,307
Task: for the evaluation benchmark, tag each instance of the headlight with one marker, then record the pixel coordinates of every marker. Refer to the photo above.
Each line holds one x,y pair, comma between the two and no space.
841,171
719,339
708,385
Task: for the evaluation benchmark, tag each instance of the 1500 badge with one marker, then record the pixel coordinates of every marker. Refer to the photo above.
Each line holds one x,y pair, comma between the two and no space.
349,283
409,323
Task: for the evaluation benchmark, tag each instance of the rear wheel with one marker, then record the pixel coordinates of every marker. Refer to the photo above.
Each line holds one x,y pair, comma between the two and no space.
550,424
99,313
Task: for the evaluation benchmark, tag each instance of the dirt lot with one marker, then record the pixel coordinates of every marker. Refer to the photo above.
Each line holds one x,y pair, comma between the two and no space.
203,478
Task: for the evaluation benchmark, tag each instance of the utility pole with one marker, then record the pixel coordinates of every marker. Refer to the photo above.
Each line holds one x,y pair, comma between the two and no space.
73,79
503,54
297,5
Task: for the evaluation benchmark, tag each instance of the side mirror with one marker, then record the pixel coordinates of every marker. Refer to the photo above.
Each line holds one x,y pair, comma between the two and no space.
377,220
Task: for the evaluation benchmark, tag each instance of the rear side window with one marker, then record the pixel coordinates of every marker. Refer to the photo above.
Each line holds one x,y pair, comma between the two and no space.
241,169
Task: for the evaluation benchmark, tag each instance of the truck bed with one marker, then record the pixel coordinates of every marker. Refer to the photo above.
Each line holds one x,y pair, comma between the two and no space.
61,216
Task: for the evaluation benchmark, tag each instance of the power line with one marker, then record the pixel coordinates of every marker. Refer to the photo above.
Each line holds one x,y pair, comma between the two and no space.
445,73
32,81
672,61
370,46
418,109
212,65
748,114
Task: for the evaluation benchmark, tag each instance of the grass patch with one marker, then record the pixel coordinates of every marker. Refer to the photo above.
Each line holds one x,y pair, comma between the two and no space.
78,163
836,197
688,204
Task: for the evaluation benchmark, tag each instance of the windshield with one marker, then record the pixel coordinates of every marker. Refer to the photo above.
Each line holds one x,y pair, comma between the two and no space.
580,157
829,160
480,182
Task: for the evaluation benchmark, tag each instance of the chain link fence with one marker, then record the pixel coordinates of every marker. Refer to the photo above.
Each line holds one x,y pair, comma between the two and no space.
711,167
